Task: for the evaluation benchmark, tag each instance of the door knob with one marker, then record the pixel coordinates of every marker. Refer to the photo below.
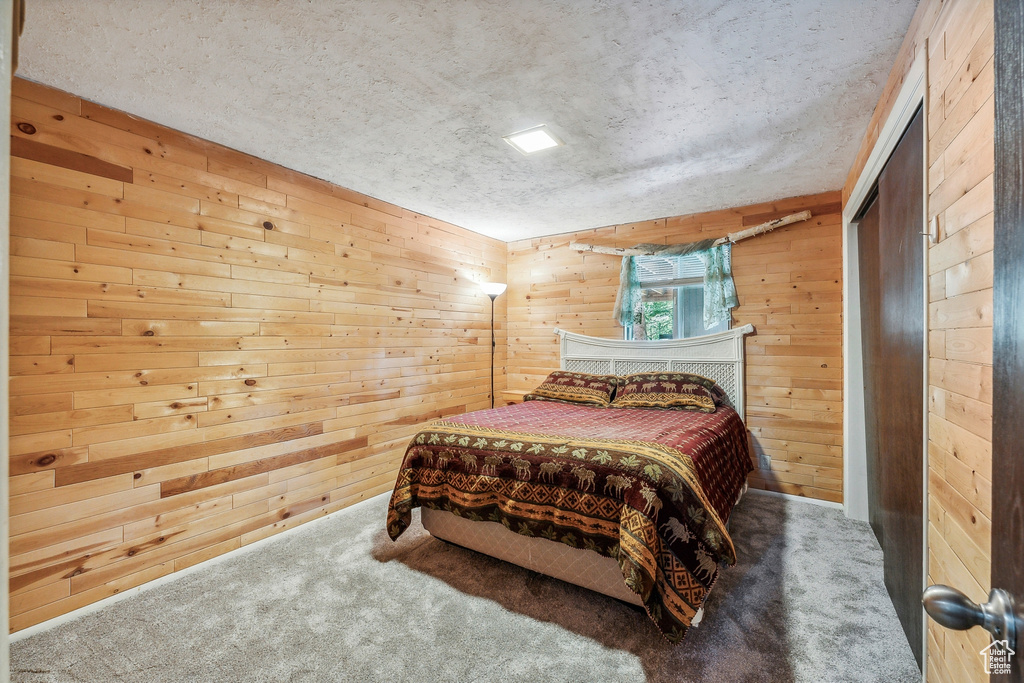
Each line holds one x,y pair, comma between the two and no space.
952,609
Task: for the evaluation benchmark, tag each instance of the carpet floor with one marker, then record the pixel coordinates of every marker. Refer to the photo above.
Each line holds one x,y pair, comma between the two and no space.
337,600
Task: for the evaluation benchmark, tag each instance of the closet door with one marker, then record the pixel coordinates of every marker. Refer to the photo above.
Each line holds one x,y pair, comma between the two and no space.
870,305
895,377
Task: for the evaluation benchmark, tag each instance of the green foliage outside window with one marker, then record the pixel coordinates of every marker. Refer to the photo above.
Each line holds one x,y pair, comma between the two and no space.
658,319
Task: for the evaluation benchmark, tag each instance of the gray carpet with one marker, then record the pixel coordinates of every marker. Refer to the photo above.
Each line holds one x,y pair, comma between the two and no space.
338,601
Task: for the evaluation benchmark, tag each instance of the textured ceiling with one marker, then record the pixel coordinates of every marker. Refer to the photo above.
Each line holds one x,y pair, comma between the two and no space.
666,108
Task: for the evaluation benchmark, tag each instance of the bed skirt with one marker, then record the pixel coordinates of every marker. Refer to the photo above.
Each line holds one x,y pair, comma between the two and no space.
578,566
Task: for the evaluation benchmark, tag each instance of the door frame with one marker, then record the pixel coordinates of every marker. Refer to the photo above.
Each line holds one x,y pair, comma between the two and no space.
913,94
6,69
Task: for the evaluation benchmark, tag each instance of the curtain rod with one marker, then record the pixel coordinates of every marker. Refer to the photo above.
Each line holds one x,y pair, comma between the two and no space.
653,250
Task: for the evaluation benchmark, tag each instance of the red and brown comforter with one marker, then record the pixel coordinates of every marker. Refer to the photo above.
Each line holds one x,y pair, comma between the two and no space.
652,488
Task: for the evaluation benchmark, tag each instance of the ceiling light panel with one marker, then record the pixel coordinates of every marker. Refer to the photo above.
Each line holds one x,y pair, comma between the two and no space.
533,140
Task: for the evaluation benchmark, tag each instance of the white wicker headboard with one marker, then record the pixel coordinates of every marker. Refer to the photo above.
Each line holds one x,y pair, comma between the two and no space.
717,356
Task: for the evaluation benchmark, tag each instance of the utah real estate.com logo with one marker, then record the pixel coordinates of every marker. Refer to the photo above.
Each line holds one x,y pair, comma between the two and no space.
997,657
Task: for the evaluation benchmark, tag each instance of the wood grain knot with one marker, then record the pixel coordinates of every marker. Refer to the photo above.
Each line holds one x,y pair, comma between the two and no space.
148,333
58,117
47,459
27,128
250,382
268,225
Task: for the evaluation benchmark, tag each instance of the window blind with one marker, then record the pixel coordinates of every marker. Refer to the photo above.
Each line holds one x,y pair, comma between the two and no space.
668,271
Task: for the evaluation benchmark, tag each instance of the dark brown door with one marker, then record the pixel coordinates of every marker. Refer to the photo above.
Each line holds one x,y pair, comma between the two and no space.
1008,316
892,305
867,257
900,389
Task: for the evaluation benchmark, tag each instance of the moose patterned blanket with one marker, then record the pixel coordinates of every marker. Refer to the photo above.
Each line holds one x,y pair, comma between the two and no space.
652,488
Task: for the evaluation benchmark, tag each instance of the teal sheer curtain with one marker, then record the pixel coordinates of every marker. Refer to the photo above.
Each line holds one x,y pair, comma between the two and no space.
627,302
719,288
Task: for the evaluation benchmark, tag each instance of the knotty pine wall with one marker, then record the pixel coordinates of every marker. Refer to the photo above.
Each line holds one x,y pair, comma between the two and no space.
790,288
208,349
957,38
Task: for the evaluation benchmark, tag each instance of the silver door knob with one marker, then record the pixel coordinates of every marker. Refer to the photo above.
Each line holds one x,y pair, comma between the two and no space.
952,609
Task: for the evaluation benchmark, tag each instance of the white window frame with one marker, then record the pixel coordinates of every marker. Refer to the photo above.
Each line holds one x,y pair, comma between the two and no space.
676,286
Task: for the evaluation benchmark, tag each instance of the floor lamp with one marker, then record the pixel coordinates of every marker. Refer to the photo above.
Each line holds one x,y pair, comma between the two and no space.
493,290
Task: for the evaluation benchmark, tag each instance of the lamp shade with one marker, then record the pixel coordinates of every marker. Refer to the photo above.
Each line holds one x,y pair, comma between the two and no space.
493,289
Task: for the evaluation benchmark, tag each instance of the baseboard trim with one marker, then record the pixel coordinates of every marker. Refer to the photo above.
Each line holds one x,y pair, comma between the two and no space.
799,499
174,576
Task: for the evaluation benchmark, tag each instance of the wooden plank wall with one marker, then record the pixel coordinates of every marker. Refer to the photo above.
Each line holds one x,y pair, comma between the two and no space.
961,158
790,288
208,349
957,36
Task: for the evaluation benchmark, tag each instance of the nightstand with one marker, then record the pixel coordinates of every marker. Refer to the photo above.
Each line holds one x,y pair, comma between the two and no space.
510,396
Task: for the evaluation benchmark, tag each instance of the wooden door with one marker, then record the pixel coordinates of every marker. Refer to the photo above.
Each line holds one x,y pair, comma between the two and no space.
867,257
891,258
1008,316
900,387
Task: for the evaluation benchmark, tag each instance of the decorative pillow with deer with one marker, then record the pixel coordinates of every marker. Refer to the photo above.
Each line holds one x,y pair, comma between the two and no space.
576,387
674,390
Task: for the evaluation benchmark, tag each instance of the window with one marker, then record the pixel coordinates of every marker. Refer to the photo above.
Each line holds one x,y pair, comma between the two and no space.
672,298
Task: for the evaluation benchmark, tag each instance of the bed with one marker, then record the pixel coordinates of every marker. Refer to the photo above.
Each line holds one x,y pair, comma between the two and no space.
631,502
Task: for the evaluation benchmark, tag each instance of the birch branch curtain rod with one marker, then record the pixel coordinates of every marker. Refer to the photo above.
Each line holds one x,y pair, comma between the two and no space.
667,250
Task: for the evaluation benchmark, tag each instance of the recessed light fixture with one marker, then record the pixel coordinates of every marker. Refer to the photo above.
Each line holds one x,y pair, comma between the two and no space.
533,139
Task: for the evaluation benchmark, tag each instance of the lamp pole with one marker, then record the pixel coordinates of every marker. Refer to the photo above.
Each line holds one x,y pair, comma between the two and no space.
493,344
493,290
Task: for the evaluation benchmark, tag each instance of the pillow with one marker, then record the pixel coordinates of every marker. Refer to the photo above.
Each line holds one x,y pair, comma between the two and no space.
575,387
673,390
